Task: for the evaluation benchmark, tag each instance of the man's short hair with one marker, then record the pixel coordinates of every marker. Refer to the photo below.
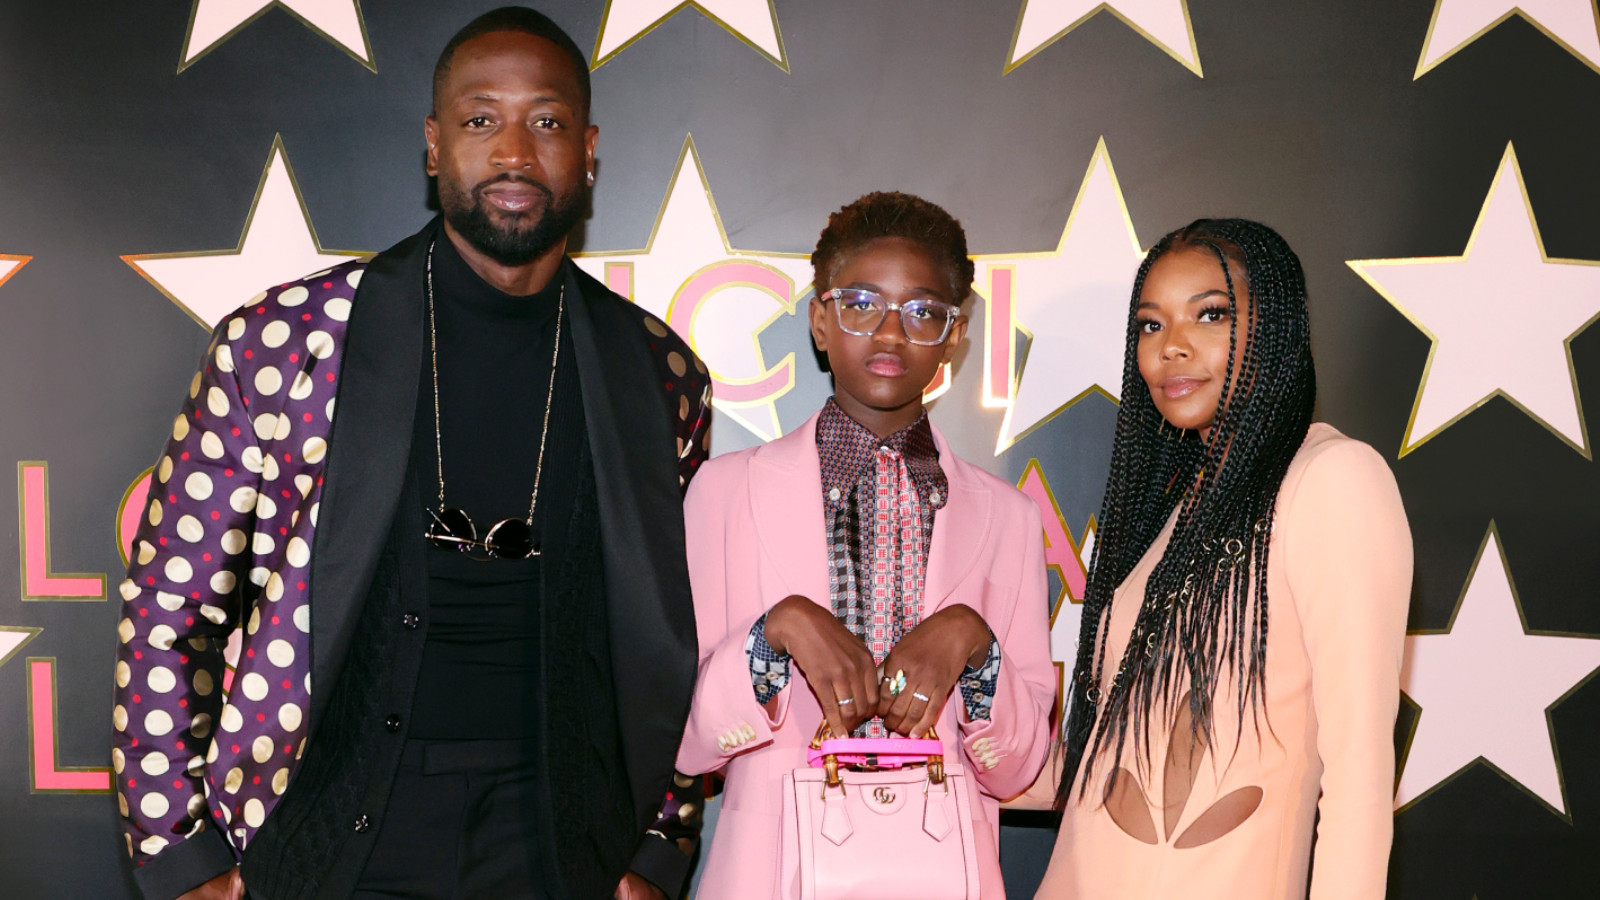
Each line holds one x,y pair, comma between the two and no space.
521,20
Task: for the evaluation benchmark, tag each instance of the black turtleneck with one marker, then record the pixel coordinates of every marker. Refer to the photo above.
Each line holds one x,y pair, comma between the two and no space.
480,665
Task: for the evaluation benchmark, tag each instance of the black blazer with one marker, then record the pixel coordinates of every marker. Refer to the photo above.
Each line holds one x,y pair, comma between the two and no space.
645,403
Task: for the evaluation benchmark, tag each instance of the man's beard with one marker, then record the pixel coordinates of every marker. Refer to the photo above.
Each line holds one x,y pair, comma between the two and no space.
517,239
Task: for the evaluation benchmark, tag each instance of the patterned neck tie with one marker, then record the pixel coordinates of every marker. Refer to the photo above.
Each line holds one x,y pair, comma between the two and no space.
896,555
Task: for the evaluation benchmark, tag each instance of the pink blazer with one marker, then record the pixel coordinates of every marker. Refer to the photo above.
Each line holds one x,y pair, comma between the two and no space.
755,535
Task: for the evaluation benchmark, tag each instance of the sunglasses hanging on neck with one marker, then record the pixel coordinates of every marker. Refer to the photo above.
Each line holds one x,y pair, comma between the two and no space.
452,528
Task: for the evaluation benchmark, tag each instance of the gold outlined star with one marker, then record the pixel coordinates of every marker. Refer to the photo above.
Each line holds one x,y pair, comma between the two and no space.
1574,24
686,267
1487,650
1072,303
1041,23
1477,352
13,638
278,244
11,264
212,22
741,18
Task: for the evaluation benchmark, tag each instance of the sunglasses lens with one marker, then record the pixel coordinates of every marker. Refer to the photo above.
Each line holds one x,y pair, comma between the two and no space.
451,529
510,539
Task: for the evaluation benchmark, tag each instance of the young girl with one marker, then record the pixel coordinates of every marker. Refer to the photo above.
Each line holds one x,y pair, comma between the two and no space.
857,570
1239,667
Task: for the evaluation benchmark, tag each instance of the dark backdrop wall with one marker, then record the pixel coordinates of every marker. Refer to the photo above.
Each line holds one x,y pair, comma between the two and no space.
164,162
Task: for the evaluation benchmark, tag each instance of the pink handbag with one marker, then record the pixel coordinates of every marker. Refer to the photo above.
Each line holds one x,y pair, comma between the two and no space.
877,819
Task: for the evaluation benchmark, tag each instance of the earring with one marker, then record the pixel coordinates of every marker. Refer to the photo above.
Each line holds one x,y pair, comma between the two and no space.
591,179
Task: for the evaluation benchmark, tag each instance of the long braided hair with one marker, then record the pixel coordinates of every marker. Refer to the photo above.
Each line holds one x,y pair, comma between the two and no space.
1204,613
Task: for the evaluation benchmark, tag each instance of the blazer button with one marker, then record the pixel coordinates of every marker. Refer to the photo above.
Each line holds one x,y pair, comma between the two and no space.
392,723
410,620
363,824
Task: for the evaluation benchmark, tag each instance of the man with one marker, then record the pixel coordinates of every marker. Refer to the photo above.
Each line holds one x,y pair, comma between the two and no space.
467,639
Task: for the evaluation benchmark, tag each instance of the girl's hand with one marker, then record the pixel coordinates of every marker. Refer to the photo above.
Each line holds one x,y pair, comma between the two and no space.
932,656
837,665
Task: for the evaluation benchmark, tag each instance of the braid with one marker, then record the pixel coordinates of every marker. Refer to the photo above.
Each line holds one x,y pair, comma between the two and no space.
1203,619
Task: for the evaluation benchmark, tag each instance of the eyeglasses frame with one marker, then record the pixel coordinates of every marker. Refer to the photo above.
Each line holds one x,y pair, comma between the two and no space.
891,306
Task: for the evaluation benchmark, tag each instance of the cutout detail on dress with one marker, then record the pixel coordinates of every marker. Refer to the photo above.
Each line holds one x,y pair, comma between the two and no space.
1126,803
1178,780
1224,816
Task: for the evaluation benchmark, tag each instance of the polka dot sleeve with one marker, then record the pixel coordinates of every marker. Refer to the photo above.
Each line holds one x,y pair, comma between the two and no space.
696,441
664,856
179,603
686,387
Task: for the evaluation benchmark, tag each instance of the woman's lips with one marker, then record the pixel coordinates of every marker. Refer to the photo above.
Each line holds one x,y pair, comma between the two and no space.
886,365
1180,387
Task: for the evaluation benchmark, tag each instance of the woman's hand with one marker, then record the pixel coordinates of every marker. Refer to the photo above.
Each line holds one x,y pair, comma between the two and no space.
837,665
932,656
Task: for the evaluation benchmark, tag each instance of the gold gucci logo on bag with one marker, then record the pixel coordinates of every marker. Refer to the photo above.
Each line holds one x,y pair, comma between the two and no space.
883,795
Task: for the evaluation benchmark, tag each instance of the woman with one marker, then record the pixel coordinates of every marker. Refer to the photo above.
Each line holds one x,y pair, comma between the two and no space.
1239,662
859,544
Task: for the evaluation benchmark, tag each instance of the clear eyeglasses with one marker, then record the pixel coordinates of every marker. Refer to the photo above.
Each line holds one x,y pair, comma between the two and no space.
924,320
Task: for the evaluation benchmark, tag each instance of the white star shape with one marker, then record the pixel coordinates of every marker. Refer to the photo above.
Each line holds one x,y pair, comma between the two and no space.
12,637
213,21
1486,686
11,264
753,21
1073,303
1164,23
1479,350
1574,24
716,298
278,245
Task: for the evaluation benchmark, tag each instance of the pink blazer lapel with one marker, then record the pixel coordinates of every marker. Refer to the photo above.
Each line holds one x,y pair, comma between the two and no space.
959,530
786,495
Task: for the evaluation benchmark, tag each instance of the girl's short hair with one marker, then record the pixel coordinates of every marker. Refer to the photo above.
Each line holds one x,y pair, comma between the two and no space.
890,214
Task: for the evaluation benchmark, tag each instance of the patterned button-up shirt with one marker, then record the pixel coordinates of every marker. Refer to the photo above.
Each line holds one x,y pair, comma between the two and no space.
877,549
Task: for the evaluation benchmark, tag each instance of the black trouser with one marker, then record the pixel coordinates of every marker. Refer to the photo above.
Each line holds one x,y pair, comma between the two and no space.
461,824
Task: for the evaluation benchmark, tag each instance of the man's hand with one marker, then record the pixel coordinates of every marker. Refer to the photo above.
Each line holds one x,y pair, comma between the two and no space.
932,655
227,886
837,665
634,887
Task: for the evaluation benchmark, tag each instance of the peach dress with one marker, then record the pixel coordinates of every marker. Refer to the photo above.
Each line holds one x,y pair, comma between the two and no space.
1235,821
